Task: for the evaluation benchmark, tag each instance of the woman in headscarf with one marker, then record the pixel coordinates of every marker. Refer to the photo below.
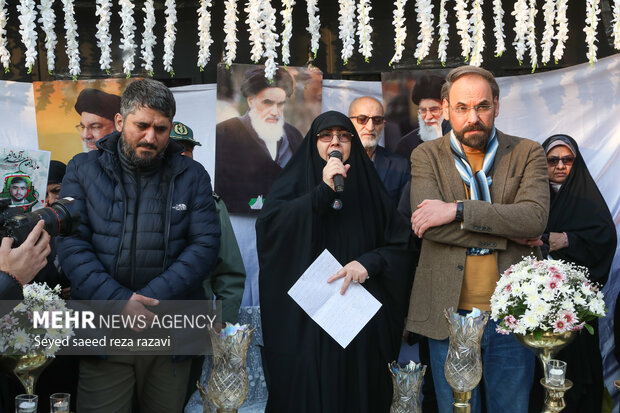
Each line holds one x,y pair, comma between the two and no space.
580,230
307,370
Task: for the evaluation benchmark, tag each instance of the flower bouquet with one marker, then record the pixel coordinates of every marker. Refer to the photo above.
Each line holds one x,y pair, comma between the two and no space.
549,296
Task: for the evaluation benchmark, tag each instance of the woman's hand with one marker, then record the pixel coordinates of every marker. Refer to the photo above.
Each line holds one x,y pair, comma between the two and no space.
353,272
333,167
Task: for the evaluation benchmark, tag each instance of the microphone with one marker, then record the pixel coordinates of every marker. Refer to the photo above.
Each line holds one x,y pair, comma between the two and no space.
338,179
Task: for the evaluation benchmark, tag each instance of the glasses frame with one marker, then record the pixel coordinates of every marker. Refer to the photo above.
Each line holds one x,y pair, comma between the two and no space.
363,119
435,110
92,128
339,135
566,160
464,110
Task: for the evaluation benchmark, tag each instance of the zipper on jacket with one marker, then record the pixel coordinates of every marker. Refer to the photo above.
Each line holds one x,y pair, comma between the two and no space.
167,222
135,229
119,182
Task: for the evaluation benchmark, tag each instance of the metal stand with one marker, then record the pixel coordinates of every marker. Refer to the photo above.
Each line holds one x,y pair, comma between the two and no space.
554,396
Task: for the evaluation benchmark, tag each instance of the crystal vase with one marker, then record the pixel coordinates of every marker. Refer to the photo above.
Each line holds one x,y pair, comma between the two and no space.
407,381
27,368
463,368
228,384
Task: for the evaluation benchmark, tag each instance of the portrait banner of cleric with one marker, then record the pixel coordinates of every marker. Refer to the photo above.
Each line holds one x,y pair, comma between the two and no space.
252,149
481,201
97,110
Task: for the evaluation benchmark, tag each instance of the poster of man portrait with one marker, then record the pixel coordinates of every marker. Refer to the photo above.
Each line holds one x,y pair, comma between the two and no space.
73,116
260,124
413,108
24,177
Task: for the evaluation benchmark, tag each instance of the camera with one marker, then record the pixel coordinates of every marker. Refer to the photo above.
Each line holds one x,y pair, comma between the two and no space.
59,220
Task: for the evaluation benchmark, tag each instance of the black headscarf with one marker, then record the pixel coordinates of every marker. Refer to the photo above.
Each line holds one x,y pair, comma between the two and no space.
295,225
579,209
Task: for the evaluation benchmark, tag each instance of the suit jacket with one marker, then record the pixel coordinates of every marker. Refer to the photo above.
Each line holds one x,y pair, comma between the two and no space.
393,171
244,168
520,209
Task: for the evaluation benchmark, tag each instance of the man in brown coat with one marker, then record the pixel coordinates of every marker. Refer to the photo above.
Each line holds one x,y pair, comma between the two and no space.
480,200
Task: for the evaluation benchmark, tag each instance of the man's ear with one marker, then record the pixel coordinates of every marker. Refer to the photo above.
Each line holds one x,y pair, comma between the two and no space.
446,111
118,122
496,106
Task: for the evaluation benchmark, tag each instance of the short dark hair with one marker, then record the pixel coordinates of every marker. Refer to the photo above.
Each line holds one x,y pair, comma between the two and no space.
461,71
148,93
19,180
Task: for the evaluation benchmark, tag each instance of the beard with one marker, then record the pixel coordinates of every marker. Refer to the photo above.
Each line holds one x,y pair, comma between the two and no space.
477,140
370,143
268,132
429,132
147,159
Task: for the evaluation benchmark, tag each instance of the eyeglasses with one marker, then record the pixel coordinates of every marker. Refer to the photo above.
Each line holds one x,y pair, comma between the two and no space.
479,109
95,127
363,119
435,110
327,136
555,160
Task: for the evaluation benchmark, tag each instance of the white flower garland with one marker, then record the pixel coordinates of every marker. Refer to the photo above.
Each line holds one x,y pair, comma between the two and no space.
314,25
346,15
547,39
128,46
73,52
424,16
616,24
400,30
255,28
204,29
170,35
522,15
148,37
498,19
593,9
531,34
230,29
287,18
104,39
48,20
562,30
442,48
27,28
270,39
462,27
477,33
5,56
364,29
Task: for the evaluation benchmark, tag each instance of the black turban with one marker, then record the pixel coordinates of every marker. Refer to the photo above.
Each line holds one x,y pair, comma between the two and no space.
255,81
427,87
98,102
57,172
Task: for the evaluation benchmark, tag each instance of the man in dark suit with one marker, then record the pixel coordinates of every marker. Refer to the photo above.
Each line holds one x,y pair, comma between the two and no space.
251,150
367,115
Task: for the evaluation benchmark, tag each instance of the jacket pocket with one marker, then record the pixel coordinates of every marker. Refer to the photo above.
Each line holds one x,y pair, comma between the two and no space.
421,294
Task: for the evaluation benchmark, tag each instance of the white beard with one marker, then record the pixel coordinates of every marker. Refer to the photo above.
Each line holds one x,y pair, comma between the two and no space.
270,133
428,133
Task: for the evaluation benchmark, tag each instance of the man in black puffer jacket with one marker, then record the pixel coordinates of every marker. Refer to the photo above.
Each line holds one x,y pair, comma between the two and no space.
149,231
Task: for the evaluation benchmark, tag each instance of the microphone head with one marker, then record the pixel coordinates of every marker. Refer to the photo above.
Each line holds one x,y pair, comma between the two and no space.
336,154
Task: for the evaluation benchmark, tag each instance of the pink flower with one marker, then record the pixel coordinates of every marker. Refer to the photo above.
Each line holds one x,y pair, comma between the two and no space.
508,287
510,321
559,326
568,316
552,283
579,326
501,330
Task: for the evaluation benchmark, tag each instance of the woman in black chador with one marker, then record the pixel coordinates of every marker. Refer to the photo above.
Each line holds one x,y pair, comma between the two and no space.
580,230
306,370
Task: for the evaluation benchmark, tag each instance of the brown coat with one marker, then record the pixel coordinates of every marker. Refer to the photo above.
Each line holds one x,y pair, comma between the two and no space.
520,196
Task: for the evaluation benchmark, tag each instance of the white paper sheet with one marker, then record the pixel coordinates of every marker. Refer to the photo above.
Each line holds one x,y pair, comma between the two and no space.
341,316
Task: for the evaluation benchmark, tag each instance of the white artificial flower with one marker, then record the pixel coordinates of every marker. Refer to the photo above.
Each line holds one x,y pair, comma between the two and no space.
531,34
400,30
314,25
442,27
529,320
522,15
547,38
5,56
104,39
48,20
255,28
498,19
170,36
477,33
27,28
424,16
128,46
73,51
20,340
230,29
287,19
364,29
204,33
270,39
593,9
540,308
597,307
346,27
616,24
561,33
462,27
148,36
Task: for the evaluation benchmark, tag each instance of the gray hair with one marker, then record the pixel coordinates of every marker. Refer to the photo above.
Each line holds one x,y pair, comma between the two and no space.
148,93
461,71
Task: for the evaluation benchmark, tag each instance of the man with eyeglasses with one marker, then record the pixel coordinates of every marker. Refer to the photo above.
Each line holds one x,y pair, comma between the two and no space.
366,113
481,201
97,110
426,95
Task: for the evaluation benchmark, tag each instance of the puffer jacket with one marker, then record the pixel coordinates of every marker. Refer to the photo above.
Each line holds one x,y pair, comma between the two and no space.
191,227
